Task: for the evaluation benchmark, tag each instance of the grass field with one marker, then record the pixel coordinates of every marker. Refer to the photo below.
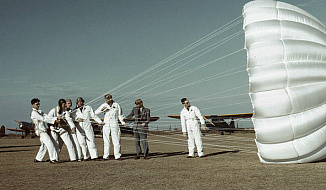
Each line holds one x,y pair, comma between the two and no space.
231,163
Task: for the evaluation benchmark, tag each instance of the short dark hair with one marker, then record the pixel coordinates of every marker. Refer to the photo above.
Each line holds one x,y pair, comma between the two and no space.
108,96
138,101
35,100
80,99
183,100
61,101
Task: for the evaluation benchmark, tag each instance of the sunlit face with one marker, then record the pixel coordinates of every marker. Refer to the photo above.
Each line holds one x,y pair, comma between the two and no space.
68,104
186,104
139,105
63,105
80,103
36,105
108,100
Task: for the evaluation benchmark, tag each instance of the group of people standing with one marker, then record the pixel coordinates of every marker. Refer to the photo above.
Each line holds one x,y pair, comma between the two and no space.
73,127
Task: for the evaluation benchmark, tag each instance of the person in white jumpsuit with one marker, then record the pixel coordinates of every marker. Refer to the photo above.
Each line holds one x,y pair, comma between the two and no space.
74,133
189,122
112,114
63,129
85,134
38,119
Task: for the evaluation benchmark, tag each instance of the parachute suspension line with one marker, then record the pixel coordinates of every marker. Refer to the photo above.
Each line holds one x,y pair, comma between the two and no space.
225,40
228,96
192,83
184,142
312,3
192,70
230,138
226,105
157,80
239,103
206,97
175,104
184,50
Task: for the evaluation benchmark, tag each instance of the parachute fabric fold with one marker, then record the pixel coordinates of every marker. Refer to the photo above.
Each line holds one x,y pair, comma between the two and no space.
286,64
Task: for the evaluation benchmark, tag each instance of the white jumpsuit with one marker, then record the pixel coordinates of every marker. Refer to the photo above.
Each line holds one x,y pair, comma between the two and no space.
85,133
111,116
75,140
63,133
38,118
189,124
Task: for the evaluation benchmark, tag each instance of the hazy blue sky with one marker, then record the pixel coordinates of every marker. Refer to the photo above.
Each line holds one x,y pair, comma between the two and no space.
65,49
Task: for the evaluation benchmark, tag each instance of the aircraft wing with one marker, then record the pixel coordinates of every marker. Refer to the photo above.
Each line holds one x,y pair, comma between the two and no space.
227,116
151,119
24,123
18,130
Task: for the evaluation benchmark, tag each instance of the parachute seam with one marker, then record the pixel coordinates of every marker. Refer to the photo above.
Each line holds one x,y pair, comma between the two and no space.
287,87
293,113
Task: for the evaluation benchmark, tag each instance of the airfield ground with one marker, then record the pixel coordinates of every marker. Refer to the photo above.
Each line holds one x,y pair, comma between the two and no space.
231,163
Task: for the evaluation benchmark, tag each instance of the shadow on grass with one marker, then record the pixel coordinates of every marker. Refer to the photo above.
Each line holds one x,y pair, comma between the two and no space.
20,146
223,152
160,155
154,155
2,151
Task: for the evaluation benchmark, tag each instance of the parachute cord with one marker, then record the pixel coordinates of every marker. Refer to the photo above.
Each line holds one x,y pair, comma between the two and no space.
184,142
189,71
202,99
158,79
212,47
184,50
312,3
175,104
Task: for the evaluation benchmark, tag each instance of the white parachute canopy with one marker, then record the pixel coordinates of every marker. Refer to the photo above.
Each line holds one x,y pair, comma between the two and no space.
286,54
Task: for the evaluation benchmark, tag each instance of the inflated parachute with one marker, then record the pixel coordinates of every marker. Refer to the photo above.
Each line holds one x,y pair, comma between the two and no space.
286,54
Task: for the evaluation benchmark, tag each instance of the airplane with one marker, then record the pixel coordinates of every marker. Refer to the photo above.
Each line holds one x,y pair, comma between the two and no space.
25,128
218,123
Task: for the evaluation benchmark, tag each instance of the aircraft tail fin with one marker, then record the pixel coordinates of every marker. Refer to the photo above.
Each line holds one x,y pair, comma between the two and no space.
2,131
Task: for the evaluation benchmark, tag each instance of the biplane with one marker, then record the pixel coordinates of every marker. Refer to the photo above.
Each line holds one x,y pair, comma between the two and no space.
218,123
25,128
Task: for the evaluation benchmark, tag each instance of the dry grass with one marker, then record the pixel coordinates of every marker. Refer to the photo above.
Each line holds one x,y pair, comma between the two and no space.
231,163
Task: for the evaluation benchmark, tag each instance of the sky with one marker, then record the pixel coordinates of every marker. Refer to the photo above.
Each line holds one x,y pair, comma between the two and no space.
67,49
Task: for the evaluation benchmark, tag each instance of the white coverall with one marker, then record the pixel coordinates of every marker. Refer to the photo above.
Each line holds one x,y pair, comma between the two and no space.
38,119
64,134
111,116
189,124
75,139
85,133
